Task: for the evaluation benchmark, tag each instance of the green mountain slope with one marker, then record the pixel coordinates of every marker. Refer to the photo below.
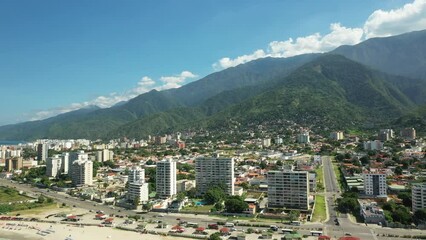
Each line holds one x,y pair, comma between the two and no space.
403,55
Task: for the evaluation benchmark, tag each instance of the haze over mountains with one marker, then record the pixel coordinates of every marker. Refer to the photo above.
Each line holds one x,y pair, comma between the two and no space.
379,81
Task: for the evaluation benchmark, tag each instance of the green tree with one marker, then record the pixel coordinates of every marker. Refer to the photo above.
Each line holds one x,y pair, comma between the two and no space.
180,196
218,206
420,216
136,201
293,215
398,170
214,195
364,160
215,236
235,205
406,199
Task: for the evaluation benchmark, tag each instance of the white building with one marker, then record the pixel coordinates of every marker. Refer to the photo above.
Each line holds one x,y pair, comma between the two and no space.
184,185
278,140
82,172
288,189
65,163
42,152
303,137
166,178
337,135
385,134
77,156
375,184
138,188
266,142
214,170
136,174
373,145
418,196
53,166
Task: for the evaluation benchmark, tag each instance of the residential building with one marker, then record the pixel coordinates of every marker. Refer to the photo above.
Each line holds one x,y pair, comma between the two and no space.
42,152
138,190
385,135
53,166
65,163
13,164
337,135
166,178
77,156
418,196
375,184
373,145
184,185
82,172
313,182
303,137
136,174
408,133
266,142
214,170
288,189
371,213
278,140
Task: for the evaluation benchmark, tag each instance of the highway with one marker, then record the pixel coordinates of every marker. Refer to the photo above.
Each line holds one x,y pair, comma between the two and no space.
331,192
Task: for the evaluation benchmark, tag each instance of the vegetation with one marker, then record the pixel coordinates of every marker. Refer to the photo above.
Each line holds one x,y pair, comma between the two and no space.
11,195
320,213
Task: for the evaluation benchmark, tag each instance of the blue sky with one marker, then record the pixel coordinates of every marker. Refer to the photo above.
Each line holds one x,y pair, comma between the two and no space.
57,56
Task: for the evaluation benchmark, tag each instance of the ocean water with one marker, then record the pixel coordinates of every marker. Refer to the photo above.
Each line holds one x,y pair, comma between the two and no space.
11,143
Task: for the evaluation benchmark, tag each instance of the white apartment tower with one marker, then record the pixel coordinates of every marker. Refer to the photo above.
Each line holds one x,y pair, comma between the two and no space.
375,184
214,170
418,196
136,174
288,189
65,157
138,188
42,152
303,137
53,166
166,178
82,172
336,135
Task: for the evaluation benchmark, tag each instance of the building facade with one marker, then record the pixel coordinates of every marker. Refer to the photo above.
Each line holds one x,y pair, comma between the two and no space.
303,137
166,178
53,166
138,190
408,133
375,184
13,164
288,189
418,196
214,170
82,173
42,152
136,174
336,135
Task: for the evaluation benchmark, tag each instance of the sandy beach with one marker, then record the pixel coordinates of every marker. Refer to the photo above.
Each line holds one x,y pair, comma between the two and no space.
39,231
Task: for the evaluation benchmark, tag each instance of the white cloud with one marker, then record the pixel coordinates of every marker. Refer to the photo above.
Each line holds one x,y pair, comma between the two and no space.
227,62
315,43
145,84
410,17
380,23
175,81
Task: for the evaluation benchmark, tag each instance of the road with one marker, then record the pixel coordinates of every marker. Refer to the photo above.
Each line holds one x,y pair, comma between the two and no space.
346,225
332,192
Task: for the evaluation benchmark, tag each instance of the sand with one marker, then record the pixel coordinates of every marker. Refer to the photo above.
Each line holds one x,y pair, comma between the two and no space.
33,231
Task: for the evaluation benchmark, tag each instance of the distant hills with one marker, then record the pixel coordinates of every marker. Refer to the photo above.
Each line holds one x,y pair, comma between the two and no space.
379,81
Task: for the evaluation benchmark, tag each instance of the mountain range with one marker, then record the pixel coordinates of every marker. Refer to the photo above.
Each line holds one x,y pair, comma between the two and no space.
379,81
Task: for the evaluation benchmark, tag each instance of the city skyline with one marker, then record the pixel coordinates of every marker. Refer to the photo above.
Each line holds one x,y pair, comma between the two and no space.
59,57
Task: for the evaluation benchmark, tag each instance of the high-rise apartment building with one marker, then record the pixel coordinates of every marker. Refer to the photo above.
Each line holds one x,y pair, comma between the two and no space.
65,163
42,152
138,188
82,172
13,164
303,137
288,189
53,166
166,178
385,134
375,184
210,171
408,133
418,196
337,135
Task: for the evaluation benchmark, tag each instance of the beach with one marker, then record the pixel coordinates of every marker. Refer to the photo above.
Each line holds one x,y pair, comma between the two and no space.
47,231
